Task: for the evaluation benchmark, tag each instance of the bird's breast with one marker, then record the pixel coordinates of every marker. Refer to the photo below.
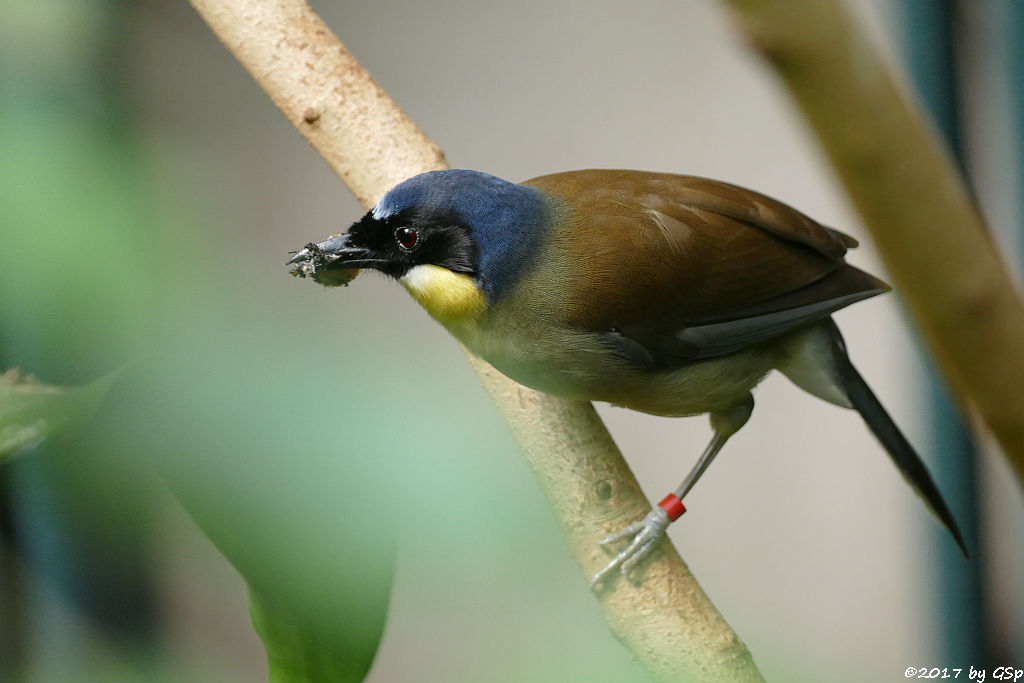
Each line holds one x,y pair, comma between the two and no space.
541,352
527,336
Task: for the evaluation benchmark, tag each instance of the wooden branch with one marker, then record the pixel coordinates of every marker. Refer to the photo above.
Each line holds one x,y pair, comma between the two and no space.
668,624
911,198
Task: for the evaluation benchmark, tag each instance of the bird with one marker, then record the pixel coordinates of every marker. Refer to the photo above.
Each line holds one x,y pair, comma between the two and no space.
673,295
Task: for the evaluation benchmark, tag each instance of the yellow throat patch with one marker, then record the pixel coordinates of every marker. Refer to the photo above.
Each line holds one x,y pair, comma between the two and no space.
447,296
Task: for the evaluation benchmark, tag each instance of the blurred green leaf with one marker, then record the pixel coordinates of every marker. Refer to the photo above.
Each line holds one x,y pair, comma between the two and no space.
31,411
287,465
300,650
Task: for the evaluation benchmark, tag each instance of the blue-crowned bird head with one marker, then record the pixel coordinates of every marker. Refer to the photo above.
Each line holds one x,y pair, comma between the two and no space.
466,222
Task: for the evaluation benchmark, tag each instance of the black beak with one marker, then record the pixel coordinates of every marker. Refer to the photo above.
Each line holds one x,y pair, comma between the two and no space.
333,262
334,253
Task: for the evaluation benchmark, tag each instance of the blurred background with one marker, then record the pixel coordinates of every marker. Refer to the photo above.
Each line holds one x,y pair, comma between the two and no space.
327,440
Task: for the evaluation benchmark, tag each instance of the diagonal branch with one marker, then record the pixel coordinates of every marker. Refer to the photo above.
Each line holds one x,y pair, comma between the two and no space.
668,624
910,197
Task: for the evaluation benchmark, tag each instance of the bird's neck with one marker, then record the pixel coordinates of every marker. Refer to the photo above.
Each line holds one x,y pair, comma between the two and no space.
509,235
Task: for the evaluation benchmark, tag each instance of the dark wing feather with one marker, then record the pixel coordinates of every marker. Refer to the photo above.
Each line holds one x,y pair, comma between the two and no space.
699,340
674,269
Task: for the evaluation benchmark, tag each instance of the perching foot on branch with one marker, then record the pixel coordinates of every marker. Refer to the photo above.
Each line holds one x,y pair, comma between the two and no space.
645,537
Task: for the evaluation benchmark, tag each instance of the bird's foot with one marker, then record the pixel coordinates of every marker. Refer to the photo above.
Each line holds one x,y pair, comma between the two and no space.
645,536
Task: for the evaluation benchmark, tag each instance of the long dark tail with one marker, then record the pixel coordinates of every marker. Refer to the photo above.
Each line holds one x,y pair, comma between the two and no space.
885,430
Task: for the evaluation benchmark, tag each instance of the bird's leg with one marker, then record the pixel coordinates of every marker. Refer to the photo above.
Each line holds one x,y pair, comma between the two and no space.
646,534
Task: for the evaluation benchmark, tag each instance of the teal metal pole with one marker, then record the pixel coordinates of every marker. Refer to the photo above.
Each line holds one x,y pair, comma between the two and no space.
928,33
1009,15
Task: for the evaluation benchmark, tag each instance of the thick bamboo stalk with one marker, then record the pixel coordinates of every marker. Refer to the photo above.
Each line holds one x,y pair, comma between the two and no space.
911,198
668,623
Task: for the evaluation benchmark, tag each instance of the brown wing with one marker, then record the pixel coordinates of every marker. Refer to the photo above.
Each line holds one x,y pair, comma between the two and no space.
656,256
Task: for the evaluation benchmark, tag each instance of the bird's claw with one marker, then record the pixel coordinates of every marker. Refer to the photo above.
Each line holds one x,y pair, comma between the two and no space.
645,536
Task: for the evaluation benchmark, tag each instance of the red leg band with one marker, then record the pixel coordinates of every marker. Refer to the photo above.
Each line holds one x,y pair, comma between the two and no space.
673,506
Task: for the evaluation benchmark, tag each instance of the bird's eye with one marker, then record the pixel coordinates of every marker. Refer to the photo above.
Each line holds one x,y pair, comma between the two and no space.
407,238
